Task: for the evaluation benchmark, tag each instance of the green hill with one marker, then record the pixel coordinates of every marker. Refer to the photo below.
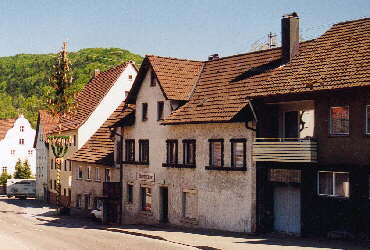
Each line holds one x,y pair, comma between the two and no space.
24,77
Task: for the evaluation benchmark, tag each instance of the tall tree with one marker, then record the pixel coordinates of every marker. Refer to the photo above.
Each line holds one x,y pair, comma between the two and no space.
4,177
22,170
62,104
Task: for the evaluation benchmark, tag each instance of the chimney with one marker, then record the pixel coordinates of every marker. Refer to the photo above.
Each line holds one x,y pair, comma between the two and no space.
213,57
96,72
289,36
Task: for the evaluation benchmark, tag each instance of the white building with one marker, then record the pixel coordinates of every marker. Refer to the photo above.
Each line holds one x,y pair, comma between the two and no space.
16,142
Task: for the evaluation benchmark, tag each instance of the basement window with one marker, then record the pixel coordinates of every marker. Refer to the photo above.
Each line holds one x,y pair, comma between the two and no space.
335,184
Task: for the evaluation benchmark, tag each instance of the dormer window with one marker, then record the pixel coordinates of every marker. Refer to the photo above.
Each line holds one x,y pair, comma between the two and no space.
152,79
21,128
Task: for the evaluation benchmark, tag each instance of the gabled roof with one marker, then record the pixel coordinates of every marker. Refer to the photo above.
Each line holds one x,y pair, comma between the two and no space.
99,148
47,123
5,125
340,58
176,77
92,94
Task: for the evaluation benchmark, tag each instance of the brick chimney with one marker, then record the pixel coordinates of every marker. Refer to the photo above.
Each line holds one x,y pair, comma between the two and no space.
213,57
289,36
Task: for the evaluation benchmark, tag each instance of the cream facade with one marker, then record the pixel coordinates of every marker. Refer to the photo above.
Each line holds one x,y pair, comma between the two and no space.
201,196
42,171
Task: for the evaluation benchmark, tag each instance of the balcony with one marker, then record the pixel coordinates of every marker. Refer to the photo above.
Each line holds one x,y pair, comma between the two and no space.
285,150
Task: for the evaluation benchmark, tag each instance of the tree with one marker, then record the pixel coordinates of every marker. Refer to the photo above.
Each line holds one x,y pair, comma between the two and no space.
4,177
62,104
22,170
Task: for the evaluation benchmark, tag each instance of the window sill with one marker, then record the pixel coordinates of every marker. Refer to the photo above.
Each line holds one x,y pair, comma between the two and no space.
98,180
135,163
334,197
225,168
88,180
176,165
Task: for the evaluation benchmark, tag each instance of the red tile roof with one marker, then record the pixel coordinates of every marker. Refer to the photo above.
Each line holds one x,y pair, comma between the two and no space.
92,94
99,148
338,59
5,125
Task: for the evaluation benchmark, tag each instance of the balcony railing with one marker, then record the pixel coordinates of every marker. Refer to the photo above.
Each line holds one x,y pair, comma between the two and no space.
285,150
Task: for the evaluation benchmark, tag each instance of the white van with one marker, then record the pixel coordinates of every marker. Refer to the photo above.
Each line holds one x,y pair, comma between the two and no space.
21,188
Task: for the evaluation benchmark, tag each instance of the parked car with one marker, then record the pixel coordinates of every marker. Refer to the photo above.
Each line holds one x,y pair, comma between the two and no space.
21,188
97,213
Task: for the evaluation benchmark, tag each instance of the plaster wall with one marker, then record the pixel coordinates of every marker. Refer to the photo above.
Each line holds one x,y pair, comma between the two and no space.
42,153
225,200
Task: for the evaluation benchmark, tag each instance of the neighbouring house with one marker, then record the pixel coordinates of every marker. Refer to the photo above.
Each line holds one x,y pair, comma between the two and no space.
273,140
95,176
95,103
45,124
16,143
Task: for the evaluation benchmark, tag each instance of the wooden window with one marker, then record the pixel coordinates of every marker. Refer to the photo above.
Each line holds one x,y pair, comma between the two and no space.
189,204
339,120
144,151
130,150
21,129
216,152
144,110
333,183
97,174
189,151
107,175
152,79
172,152
79,173
88,173
160,108
146,199
65,165
130,77
21,141
368,119
130,193
238,153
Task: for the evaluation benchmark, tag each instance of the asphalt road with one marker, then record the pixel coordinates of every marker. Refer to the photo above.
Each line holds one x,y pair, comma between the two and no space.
22,228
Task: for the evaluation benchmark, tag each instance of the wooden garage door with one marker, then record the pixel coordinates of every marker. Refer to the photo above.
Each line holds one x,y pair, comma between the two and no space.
287,209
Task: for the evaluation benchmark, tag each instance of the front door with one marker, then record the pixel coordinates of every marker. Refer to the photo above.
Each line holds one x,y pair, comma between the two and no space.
287,209
164,204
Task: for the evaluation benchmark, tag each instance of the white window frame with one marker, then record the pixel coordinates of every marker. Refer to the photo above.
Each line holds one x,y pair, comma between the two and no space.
331,121
97,174
333,180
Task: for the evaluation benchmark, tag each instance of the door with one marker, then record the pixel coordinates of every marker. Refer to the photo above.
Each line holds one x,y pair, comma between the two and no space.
287,209
291,127
164,204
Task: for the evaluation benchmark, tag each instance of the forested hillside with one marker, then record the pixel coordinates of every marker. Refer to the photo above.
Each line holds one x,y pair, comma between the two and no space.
24,77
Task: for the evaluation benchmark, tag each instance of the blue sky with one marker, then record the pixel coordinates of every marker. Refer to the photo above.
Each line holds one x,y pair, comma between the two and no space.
190,29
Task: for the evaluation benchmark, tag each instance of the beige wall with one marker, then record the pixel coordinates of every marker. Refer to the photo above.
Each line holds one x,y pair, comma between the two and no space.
224,199
90,186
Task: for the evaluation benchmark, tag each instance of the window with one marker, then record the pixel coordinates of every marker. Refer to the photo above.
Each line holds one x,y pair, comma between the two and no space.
65,165
88,173
189,204
130,150
21,141
144,107
21,129
146,199
130,77
333,183
5,169
51,163
119,151
339,120
172,151
216,152
74,140
69,165
160,107
30,152
97,174
238,153
130,193
189,149
107,175
368,119
78,201
12,152
55,184
144,151
64,192
79,173
87,201
152,79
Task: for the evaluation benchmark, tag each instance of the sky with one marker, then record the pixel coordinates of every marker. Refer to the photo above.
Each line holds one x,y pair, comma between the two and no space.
191,29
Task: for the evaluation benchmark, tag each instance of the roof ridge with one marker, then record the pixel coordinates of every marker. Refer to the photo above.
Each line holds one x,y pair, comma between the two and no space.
351,21
174,58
